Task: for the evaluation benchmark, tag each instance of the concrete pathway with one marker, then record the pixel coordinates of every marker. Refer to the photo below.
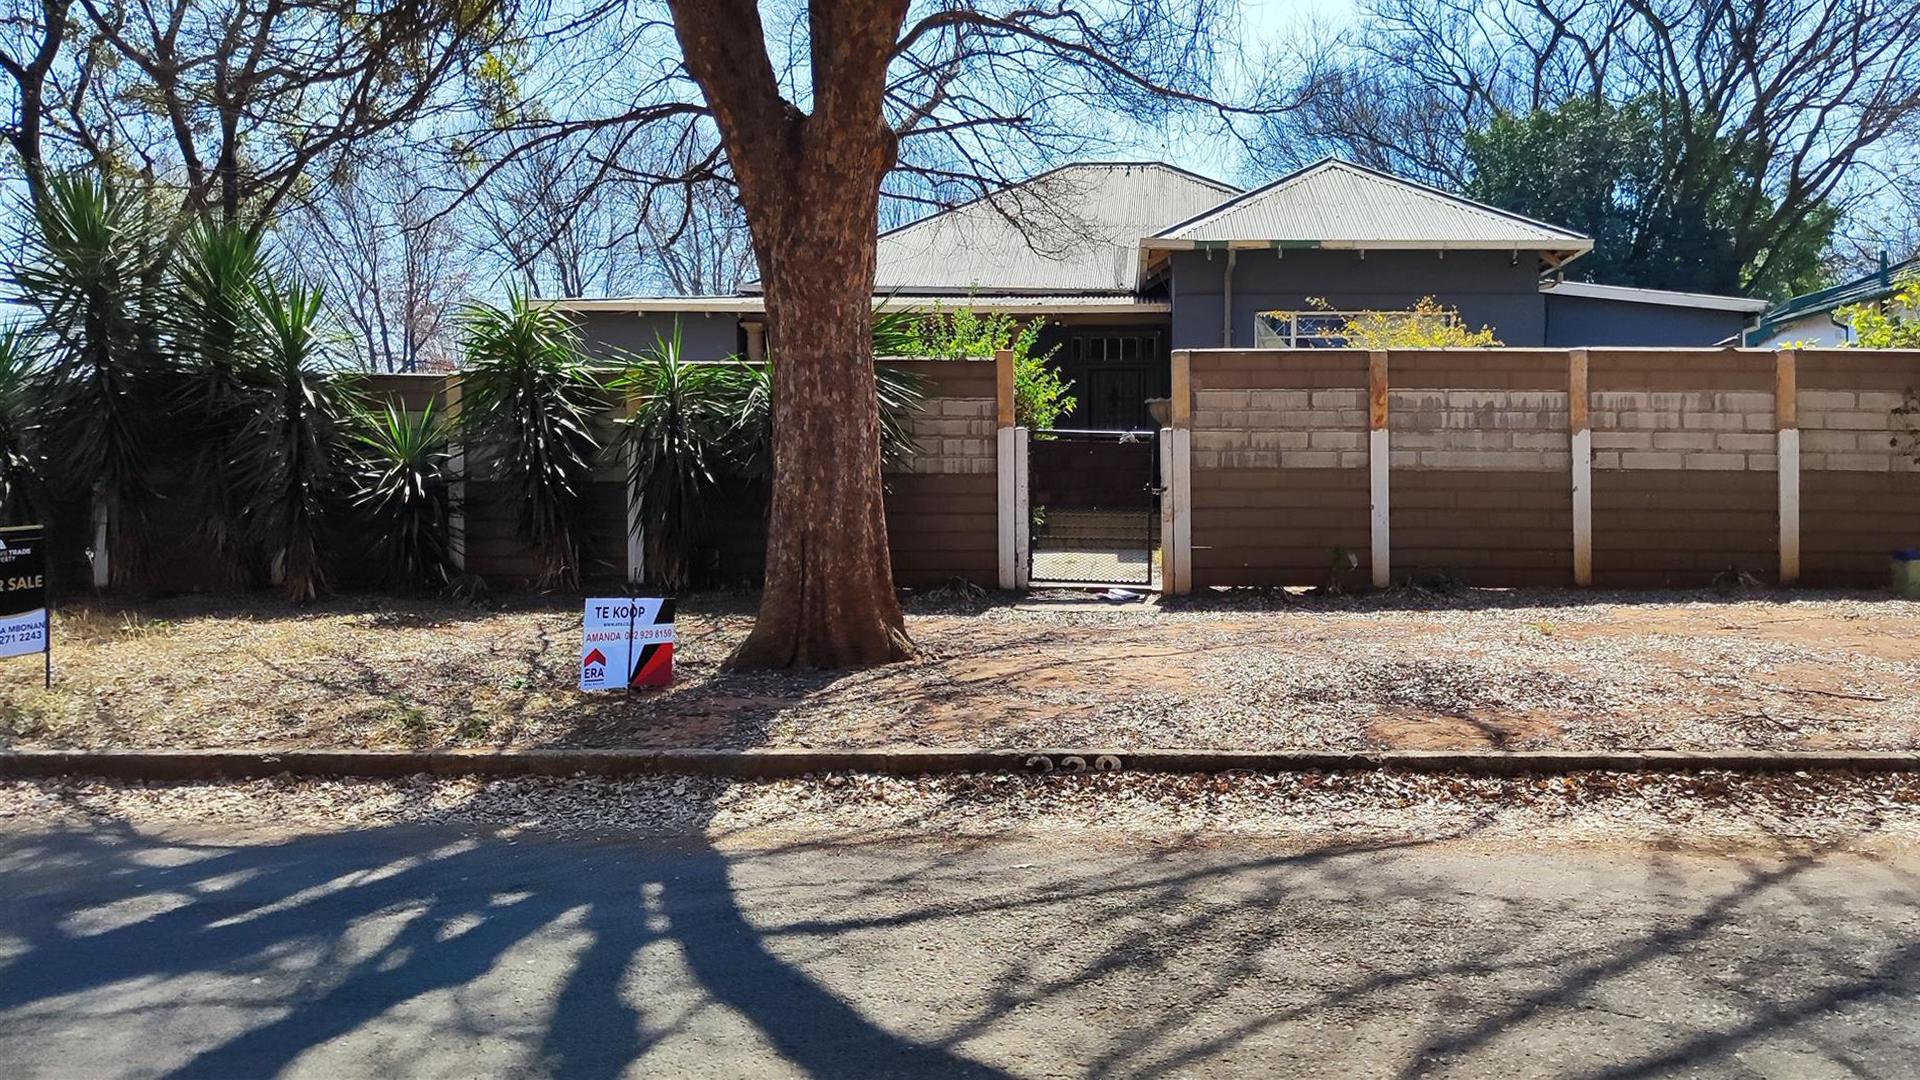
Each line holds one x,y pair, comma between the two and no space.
409,951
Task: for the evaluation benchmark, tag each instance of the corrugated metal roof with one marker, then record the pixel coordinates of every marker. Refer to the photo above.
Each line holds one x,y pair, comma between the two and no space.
1878,285
1334,203
1074,229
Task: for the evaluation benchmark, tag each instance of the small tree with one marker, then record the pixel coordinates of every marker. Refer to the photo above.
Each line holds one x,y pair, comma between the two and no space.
1426,325
214,330
1891,324
22,473
1040,392
89,272
402,480
677,441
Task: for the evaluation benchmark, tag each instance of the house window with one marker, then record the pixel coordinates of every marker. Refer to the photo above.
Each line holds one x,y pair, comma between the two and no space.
1325,329
1301,329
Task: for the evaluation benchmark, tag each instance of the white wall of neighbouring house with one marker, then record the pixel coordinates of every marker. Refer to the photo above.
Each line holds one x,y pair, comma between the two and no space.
1814,328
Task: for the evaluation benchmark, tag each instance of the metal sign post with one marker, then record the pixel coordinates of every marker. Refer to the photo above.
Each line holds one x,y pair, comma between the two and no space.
24,625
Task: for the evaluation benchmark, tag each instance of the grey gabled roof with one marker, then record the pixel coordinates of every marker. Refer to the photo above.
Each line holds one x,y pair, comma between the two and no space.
1338,204
1075,229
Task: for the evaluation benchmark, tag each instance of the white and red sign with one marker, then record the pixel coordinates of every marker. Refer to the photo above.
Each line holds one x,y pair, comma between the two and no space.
626,641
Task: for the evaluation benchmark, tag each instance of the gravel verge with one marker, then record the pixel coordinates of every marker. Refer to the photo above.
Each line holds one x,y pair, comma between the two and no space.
1481,669
1599,807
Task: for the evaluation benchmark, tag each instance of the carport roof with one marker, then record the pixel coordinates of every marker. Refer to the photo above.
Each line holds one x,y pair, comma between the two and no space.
1337,204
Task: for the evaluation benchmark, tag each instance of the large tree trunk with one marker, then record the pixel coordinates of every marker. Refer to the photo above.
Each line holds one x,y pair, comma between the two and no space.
810,184
829,599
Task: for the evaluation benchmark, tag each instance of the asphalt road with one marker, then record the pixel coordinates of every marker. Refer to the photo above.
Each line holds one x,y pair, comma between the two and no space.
425,952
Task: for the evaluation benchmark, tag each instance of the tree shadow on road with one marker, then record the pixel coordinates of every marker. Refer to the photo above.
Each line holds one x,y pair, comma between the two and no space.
917,959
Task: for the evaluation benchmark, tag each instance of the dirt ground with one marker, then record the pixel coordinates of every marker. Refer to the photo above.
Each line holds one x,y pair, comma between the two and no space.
1506,669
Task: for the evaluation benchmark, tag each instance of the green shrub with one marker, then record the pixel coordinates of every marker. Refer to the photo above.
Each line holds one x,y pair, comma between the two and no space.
527,401
1040,393
399,467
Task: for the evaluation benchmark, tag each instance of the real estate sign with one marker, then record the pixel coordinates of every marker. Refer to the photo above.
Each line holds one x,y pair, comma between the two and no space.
626,641
23,590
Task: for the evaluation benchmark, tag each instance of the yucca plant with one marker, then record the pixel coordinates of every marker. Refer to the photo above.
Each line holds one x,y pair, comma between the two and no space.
401,480
896,333
527,400
283,461
212,324
87,270
22,480
677,441
750,442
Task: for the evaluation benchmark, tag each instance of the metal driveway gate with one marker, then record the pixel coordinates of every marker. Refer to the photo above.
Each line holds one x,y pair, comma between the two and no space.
1094,501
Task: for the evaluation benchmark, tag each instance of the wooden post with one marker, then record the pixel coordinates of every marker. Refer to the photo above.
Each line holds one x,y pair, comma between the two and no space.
1180,393
457,470
1580,423
1003,386
1787,448
1377,466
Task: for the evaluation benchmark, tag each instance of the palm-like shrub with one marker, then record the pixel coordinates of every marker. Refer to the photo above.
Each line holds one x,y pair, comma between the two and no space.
215,333
526,403
901,395
695,425
88,269
21,477
401,481
677,440
282,464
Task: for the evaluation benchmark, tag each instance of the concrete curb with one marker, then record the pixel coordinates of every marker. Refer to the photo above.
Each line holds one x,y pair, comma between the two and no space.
774,763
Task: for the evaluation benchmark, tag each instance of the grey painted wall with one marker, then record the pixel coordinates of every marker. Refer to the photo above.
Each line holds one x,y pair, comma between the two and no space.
703,336
1481,284
1578,321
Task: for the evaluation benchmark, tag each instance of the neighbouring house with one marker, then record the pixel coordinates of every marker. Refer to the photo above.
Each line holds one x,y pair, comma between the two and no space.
1809,319
1128,261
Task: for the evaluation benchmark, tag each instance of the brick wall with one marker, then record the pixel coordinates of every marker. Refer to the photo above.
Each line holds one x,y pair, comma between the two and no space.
943,506
1859,496
1479,450
1279,467
1668,425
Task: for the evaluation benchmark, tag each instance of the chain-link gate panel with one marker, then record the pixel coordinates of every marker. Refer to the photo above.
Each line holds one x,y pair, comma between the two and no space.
1095,507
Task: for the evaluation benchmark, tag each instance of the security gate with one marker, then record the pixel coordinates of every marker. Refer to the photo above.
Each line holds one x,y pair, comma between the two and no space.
1094,507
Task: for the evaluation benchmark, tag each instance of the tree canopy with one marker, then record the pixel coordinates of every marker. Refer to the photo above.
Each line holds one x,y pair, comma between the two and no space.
1765,119
1607,170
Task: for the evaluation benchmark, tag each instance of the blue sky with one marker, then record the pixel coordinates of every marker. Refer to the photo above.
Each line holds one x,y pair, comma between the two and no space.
1265,26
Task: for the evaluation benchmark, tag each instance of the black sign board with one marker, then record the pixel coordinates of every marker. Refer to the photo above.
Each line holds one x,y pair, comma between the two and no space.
23,594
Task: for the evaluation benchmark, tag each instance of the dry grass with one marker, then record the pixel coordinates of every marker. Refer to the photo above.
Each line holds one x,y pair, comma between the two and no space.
1482,669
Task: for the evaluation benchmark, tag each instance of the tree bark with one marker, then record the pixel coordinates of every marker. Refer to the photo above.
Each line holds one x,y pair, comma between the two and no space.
810,185
829,599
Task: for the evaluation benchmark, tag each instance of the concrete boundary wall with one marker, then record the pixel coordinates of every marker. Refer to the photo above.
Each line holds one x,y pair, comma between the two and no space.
941,504
1498,467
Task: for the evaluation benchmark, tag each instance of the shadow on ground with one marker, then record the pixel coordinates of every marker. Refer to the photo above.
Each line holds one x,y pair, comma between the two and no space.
409,950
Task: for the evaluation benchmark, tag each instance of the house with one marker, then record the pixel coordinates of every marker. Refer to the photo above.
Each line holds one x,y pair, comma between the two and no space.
1809,318
1129,260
